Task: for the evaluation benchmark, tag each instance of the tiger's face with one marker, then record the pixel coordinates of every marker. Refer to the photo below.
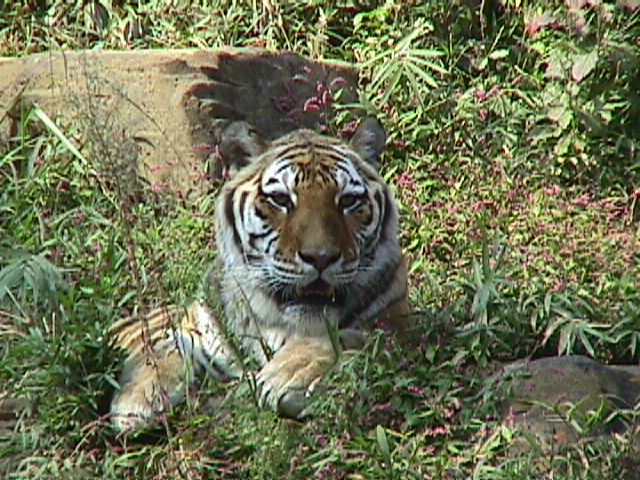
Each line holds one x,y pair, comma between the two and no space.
313,216
310,223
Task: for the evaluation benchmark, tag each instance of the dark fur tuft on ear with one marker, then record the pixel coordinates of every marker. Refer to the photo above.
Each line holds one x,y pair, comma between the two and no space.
239,145
369,140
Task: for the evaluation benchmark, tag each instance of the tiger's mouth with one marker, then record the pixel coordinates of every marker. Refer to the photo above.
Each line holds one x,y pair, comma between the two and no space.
317,293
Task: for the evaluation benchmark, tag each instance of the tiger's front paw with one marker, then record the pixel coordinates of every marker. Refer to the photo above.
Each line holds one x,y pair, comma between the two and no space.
286,382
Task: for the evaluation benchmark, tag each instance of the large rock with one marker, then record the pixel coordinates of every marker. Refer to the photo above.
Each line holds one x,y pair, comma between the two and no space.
170,105
558,400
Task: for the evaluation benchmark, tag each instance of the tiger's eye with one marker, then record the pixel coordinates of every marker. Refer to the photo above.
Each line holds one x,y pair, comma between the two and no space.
349,200
281,200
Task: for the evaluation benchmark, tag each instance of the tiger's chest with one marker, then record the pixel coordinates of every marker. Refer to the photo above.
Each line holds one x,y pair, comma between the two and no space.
261,327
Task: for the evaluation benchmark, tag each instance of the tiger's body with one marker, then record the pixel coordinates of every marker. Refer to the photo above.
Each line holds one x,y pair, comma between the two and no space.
307,240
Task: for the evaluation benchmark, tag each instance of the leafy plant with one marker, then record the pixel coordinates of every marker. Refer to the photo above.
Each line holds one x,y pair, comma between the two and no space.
405,65
28,281
574,323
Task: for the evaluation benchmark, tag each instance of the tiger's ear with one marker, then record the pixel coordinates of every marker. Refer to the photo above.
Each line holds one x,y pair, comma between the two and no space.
368,141
239,145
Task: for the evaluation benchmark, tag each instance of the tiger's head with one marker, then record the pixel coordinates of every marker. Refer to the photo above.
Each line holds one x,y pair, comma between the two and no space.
306,228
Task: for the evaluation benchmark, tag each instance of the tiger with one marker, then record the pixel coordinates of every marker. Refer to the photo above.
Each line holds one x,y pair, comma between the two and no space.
308,256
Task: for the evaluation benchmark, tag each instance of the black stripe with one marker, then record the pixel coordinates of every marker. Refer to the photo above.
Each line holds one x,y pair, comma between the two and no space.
256,210
216,366
386,215
384,276
286,164
377,197
177,342
243,201
328,177
254,237
228,212
259,235
336,156
353,180
271,243
382,221
288,150
339,166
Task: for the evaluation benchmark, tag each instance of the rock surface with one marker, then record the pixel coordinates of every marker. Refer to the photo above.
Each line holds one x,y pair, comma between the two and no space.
171,105
560,400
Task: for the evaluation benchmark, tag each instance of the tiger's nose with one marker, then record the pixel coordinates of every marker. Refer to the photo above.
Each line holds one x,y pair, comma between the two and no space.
320,259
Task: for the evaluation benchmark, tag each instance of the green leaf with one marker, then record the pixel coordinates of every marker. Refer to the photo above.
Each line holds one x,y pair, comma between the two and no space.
583,65
562,116
422,52
481,301
547,303
50,124
498,54
383,443
565,342
431,65
586,343
392,85
421,74
482,64
383,74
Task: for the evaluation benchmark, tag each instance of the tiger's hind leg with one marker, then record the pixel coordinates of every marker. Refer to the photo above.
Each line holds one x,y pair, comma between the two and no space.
165,352
148,388
155,375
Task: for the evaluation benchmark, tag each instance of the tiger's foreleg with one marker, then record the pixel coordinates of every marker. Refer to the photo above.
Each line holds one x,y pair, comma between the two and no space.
287,381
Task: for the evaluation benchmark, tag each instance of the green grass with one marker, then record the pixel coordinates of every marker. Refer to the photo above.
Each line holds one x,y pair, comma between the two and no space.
514,151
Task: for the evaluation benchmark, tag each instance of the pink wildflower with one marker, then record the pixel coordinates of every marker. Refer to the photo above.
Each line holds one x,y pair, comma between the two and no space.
312,105
406,181
202,148
337,82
